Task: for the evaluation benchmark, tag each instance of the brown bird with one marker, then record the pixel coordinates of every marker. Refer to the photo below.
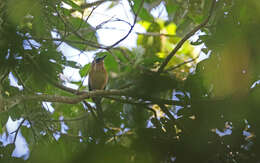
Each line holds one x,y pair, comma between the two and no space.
98,78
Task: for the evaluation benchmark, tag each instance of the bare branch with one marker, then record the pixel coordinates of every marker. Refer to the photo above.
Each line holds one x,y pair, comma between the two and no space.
131,28
185,38
90,108
91,12
70,27
4,76
167,112
13,101
17,130
81,96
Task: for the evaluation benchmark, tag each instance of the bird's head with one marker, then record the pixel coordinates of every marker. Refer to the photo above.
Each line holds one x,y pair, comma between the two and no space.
99,59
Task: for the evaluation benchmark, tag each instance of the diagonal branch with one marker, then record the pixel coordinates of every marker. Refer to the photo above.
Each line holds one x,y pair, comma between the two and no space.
17,130
90,108
185,38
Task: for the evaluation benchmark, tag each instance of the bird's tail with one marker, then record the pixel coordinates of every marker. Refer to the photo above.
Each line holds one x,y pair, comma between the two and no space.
97,101
100,119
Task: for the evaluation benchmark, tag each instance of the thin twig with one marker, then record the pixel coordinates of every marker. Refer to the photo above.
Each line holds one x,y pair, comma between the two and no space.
171,117
4,76
131,28
19,79
91,12
185,38
89,43
91,109
183,63
112,20
154,112
17,130
167,112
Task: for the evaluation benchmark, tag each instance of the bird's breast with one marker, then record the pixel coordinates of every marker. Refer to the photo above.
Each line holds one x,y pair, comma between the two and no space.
98,79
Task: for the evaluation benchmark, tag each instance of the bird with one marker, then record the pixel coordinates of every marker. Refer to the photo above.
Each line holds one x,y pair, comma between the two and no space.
98,78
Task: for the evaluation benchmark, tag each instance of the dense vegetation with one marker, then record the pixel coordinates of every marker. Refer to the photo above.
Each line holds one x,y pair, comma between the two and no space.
161,104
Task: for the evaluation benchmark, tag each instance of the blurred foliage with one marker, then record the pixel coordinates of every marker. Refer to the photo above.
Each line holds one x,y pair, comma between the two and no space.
162,45
216,101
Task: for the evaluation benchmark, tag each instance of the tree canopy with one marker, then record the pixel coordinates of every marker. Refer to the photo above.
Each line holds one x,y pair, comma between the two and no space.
163,102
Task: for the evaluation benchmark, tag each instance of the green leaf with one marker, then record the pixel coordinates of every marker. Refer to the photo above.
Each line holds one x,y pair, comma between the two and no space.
27,133
39,27
85,70
111,64
85,33
171,7
72,64
73,5
198,42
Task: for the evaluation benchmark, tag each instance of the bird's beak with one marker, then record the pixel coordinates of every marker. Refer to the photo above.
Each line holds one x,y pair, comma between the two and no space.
102,58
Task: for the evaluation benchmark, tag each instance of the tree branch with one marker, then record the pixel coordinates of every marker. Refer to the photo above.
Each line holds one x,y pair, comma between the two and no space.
17,130
67,24
183,63
13,101
90,108
131,28
185,38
